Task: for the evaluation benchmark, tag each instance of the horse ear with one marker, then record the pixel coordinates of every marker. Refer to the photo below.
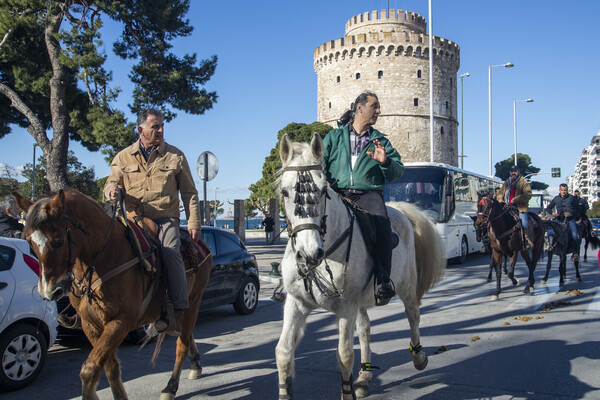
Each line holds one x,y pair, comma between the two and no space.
285,149
57,205
316,145
22,202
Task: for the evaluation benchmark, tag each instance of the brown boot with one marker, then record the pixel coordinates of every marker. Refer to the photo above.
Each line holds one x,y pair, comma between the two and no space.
174,328
72,322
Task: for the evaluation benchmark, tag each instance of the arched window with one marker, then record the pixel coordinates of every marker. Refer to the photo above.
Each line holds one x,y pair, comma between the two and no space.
329,104
379,74
442,130
446,105
416,102
418,73
338,79
358,75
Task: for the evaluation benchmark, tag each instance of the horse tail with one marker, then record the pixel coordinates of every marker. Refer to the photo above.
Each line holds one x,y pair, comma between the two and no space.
159,342
595,241
430,251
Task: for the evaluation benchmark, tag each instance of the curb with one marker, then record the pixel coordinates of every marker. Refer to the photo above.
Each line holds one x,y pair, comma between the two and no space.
270,279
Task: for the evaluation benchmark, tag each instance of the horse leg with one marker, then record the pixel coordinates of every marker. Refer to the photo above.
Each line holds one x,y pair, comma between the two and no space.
184,347
511,270
294,322
112,369
345,352
548,266
489,278
585,247
411,307
577,275
498,266
529,287
104,347
195,367
363,327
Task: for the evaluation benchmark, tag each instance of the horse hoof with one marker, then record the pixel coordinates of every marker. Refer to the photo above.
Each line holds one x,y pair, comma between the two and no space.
420,362
489,279
528,289
167,396
579,279
361,390
195,374
518,283
561,284
494,297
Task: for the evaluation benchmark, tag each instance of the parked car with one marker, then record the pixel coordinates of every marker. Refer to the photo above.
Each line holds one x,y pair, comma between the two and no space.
233,279
28,324
595,226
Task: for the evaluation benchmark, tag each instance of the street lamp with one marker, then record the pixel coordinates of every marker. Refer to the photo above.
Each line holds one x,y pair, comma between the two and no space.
462,154
515,121
507,65
33,174
216,208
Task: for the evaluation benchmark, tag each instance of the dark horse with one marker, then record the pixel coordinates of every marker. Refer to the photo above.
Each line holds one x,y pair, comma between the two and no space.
85,253
560,243
506,239
481,235
584,227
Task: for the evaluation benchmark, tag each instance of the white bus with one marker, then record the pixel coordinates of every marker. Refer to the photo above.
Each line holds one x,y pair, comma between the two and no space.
448,195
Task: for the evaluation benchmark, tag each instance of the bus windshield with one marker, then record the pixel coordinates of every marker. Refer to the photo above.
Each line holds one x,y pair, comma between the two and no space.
421,186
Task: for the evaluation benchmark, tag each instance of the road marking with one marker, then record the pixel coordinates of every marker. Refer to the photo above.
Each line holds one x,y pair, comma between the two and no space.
594,306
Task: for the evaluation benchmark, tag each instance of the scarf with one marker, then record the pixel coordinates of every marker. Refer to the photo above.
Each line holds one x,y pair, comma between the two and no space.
510,185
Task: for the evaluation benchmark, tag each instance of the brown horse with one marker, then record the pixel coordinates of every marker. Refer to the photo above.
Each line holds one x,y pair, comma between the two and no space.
506,240
85,253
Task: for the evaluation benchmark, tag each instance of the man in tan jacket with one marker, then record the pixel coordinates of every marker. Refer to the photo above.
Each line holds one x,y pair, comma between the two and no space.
155,173
516,191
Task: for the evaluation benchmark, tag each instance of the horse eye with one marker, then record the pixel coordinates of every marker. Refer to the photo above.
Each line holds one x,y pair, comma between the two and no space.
284,193
57,243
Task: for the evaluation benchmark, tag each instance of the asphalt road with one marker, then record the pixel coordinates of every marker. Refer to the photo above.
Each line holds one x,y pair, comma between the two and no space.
541,346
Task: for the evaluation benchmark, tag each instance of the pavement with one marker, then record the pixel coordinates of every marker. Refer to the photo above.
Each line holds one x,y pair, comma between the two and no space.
266,254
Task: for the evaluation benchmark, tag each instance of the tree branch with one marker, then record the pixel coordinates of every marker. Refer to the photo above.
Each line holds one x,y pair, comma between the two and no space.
35,128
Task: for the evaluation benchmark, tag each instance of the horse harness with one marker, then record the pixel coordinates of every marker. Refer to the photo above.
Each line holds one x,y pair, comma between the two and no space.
307,203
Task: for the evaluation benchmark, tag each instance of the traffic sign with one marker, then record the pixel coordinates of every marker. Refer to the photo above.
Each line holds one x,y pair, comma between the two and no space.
207,166
556,172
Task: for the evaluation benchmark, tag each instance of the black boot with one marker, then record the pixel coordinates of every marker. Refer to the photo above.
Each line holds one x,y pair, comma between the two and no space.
384,291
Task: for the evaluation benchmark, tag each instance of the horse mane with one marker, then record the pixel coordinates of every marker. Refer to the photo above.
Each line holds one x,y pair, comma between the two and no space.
37,214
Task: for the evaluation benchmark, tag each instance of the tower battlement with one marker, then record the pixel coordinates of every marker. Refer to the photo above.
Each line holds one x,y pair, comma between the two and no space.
384,21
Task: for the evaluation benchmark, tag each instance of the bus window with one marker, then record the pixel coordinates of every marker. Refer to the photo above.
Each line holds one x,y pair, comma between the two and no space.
421,187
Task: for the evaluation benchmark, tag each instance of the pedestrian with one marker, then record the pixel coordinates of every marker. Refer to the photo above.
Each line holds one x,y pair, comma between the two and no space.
583,205
516,192
156,173
567,209
268,223
358,160
9,218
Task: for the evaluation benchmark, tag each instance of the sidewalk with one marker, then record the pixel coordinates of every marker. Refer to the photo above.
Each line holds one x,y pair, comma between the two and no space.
266,254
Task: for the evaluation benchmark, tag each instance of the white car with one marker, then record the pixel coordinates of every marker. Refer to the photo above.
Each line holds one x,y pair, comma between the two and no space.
28,324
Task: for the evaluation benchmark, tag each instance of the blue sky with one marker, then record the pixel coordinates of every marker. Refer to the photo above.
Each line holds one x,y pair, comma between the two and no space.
265,80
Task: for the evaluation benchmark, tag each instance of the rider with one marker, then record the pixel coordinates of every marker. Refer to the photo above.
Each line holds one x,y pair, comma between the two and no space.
516,192
567,209
156,173
583,205
9,218
358,160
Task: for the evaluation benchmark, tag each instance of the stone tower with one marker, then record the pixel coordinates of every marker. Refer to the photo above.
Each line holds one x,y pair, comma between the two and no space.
387,52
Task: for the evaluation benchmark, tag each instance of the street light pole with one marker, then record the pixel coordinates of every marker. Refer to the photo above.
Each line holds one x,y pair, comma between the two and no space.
33,174
515,122
507,65
462,154
216,208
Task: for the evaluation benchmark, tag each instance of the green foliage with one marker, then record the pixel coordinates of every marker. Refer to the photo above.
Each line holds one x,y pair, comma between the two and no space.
54,84
594,211
264,189
249,209
79,177
524,164
216,209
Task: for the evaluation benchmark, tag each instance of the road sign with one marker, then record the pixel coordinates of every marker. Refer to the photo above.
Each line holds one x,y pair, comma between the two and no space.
556,172
207,166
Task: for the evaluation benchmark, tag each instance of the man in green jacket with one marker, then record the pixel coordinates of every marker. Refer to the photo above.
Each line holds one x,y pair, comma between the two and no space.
358,160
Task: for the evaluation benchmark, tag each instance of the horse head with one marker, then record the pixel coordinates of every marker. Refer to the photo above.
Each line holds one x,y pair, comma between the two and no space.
303,191
47,230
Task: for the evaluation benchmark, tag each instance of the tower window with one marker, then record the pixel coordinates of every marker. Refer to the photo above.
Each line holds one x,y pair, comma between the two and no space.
418,73
358,75
416,101
338,79
442,130
329,104
446,105
379,74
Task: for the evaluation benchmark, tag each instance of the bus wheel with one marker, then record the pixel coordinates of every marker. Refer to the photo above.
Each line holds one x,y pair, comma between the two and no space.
464,250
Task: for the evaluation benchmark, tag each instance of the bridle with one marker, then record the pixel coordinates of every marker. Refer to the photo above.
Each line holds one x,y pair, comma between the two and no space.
486,202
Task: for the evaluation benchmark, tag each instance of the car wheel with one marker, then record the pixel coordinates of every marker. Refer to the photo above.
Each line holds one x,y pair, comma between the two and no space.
247,298
141,333
22,354
464,250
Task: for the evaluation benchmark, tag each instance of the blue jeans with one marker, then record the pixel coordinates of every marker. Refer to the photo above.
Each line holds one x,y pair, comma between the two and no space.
524,219
574,234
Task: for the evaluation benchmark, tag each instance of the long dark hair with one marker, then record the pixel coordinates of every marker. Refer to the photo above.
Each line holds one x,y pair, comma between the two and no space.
362,98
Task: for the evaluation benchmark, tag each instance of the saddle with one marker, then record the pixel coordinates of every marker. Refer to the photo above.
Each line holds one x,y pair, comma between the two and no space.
533,222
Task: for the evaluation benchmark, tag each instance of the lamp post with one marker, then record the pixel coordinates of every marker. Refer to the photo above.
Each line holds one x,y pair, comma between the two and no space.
462,154
515,121
33,174
216,205
507,65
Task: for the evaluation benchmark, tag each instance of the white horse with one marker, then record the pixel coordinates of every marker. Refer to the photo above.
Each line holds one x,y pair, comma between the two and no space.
326,264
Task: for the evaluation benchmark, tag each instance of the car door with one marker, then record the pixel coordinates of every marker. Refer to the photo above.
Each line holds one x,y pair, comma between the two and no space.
7,280
231,257
215,281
